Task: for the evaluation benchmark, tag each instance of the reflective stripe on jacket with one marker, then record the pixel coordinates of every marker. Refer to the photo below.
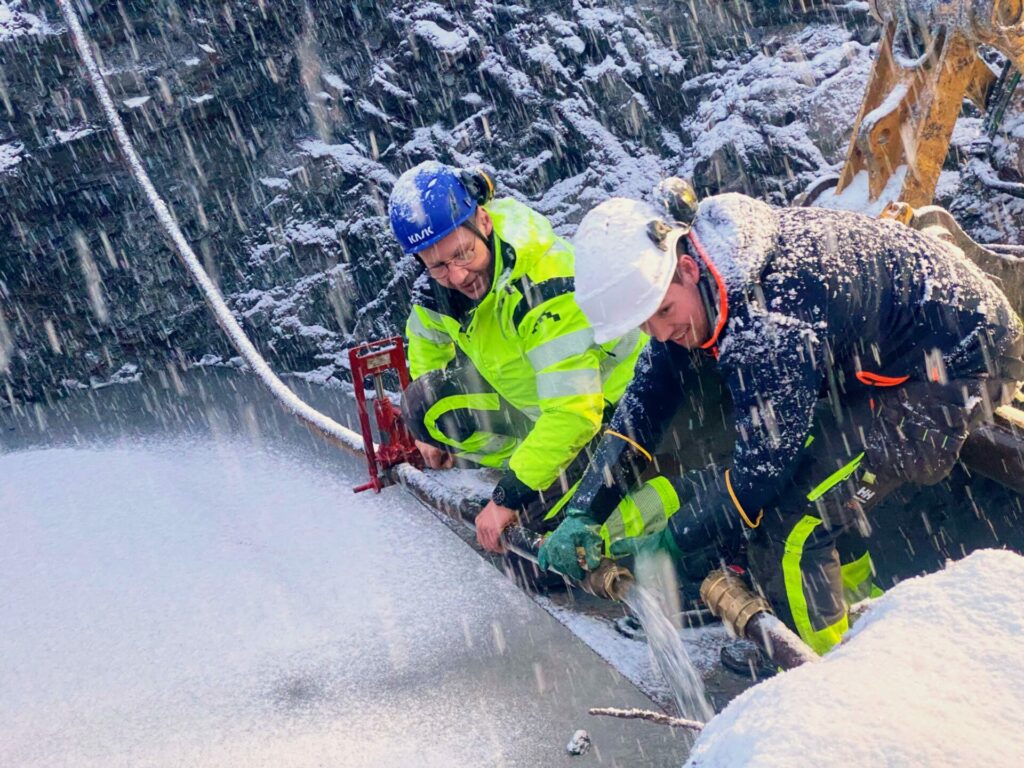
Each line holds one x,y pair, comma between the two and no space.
529,340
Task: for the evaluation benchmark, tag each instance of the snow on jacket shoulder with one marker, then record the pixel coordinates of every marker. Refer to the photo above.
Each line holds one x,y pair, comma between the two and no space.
815,298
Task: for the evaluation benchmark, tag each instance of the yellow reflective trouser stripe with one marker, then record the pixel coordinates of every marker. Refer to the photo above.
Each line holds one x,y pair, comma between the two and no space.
857,583
821,640
836,477
563,501
643,512
857,578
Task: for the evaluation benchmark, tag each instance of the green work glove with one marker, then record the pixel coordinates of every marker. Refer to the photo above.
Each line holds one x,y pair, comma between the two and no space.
558,552
643,546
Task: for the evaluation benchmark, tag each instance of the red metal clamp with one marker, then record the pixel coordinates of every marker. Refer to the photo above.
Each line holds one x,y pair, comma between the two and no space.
373,360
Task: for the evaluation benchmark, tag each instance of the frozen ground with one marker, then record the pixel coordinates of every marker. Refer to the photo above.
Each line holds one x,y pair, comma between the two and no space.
933,676
219,597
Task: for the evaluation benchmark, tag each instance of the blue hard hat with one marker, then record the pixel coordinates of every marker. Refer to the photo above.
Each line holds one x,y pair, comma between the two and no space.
428,203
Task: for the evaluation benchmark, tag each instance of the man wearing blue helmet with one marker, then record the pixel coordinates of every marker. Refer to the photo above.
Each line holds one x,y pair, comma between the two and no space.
505,369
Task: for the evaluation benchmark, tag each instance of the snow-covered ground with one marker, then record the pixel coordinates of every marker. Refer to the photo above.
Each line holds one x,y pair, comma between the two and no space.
933,676
631,657
227,601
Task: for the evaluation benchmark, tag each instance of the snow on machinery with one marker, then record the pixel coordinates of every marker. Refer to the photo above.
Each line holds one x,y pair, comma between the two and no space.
928,61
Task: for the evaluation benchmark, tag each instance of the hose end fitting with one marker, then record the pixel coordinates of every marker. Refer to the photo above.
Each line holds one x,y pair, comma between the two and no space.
728,597
609,580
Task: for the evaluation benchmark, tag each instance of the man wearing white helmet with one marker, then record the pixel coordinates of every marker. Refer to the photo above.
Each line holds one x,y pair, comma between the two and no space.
859,354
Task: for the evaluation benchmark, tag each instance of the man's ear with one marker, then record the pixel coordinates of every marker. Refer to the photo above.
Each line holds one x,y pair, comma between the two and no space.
687,269
484,222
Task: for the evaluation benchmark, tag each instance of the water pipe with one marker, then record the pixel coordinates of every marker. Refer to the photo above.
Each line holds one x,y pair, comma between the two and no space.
748,615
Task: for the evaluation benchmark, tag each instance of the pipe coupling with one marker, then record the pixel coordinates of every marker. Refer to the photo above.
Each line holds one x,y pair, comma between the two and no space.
609,580
728,597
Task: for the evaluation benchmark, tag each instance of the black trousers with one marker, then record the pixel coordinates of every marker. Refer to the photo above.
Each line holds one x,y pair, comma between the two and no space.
805,552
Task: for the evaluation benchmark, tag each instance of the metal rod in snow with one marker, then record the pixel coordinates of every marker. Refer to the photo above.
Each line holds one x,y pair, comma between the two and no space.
659,718
319,422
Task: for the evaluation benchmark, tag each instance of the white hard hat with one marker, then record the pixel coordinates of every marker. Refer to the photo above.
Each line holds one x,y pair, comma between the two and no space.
622,274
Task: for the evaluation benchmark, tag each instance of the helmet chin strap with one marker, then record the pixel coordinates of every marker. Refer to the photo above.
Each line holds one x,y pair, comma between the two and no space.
470,224
706,286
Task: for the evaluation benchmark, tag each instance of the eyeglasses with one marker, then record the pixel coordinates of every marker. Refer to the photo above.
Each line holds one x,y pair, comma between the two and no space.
462,259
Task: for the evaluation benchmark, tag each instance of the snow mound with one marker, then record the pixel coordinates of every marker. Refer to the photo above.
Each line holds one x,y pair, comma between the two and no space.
932,675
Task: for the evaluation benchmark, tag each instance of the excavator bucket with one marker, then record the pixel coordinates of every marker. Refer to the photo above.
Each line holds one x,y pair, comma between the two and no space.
927,63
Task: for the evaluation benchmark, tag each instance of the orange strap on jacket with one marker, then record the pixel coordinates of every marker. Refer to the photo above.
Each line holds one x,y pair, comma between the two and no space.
736,503
878,380
632,442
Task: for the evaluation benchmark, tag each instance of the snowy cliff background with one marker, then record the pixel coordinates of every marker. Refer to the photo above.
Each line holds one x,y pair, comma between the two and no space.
276,130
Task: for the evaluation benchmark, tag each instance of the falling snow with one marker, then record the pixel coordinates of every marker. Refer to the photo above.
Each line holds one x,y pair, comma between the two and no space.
213,592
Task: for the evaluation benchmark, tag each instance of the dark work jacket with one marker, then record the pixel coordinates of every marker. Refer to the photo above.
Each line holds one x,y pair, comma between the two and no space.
819,302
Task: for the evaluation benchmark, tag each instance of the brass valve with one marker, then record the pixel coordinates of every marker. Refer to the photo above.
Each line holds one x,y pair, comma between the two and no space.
727,597
609,580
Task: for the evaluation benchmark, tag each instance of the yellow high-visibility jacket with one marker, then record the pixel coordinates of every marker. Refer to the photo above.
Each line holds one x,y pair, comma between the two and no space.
530,342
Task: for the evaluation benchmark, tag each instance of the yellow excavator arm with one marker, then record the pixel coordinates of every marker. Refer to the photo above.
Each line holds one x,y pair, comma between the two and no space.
927,63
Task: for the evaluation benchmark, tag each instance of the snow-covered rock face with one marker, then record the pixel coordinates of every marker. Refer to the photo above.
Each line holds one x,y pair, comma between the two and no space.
16,22
771,122
277,130
932,675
